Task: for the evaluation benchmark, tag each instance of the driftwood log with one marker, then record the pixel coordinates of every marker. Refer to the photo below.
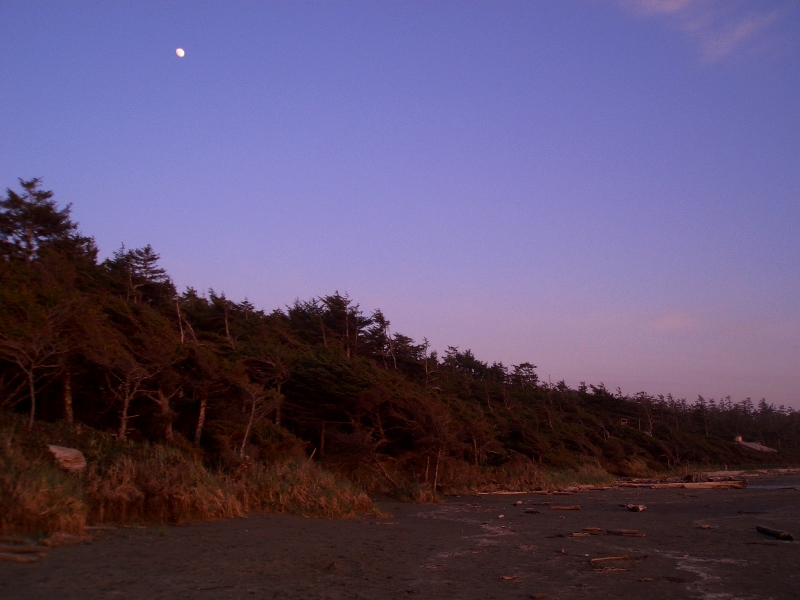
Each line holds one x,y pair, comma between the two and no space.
781,535
68,458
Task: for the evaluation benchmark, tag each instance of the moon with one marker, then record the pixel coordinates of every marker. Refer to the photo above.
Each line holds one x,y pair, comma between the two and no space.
180,52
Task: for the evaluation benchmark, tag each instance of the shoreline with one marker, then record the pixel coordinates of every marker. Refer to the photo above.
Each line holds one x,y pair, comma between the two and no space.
693,543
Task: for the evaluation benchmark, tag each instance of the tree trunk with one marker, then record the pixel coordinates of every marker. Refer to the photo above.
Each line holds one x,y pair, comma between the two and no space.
68,416
32,386
247,430
180,318
436,472
123,419
201,419
166,415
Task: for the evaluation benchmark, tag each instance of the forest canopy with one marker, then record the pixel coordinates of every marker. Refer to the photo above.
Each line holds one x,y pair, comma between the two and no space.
114,345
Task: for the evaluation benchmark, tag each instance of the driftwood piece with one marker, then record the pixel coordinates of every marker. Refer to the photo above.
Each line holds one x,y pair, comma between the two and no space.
65,539
635,507
628,532
68,458
781,535
20,558
607,558
573,507
531,511
22,549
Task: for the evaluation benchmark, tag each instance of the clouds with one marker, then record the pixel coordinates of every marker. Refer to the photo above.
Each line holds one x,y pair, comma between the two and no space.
720,28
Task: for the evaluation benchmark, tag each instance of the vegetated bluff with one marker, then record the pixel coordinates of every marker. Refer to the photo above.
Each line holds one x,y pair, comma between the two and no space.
112,345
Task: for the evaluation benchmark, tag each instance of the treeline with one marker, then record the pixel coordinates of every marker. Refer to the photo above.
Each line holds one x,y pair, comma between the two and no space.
113,345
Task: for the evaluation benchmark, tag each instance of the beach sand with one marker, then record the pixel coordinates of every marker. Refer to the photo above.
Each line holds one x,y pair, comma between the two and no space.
696,544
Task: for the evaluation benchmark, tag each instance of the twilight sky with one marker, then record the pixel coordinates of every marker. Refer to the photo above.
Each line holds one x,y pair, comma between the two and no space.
609,189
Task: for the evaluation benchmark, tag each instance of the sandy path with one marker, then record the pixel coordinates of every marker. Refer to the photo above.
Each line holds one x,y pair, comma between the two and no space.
459,549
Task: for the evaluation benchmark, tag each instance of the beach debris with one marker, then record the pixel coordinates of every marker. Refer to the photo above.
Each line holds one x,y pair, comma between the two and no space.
646,580
706,527
588,531
627,532
531,511
781,535
501,516
635,507
517,503
65,539
595,561
573,507
22,549
20,558
600,562
693,481
69,459
508,577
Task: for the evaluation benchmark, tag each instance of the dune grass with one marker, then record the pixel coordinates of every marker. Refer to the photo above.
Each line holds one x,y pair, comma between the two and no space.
149,483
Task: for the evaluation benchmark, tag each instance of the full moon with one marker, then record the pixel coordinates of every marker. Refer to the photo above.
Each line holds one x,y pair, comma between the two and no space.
180,52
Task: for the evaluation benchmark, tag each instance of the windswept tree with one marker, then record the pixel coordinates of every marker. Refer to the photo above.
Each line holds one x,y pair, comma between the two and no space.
31,223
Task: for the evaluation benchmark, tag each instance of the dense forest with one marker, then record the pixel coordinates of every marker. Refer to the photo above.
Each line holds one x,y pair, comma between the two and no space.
113,348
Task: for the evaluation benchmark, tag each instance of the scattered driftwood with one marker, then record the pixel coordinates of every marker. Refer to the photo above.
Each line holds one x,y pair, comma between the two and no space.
573,507
635,507
69,459
781,535
693,481
531,511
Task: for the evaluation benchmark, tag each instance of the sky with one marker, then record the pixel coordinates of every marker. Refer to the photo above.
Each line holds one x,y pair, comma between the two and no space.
609,189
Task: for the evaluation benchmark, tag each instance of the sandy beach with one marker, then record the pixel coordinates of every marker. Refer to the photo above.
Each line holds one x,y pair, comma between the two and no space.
695,544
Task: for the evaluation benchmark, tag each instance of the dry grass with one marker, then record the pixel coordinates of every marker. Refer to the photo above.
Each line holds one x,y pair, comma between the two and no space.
519,475
161,485
128,482
37,497
300,487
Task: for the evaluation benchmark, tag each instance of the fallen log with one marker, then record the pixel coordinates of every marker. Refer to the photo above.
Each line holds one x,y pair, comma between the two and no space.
628,532
781,535
22,549
20,558
574,507
607,558
635,507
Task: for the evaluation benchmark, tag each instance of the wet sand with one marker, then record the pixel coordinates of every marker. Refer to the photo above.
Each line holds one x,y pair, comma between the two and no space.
458,549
